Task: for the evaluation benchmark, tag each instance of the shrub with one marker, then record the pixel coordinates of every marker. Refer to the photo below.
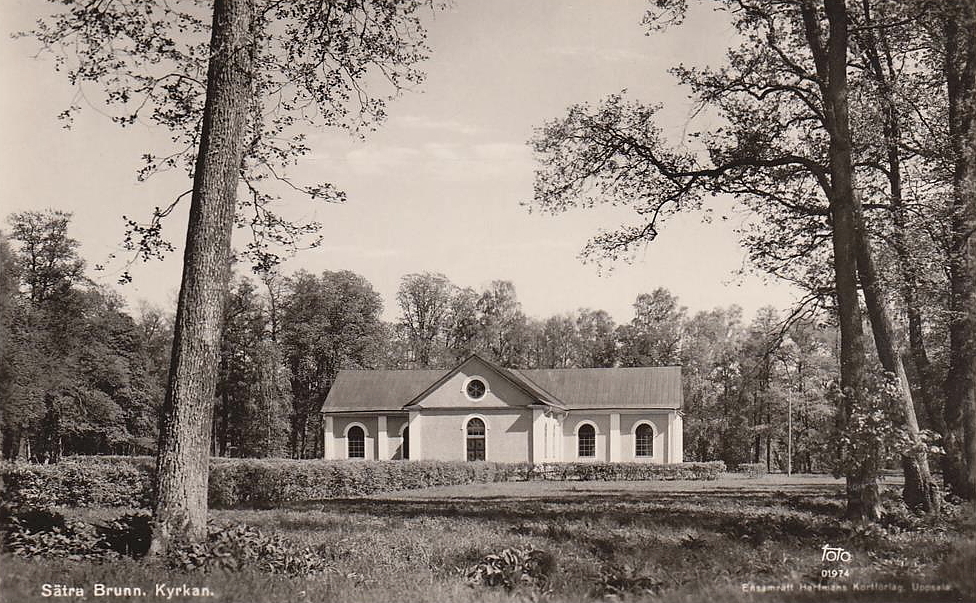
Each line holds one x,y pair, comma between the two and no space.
752,469
44,533
128,535
242,546
264,483
127,482
631,471
617,582
513,567
116,483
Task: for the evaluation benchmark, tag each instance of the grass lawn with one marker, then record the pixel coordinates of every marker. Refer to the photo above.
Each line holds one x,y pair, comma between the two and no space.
723,540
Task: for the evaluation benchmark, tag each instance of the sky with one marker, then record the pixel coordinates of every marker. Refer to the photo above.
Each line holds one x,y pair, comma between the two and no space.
440,187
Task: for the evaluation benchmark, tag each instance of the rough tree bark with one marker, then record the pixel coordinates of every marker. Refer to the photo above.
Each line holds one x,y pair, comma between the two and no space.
863,485
920,491
180,505
959,26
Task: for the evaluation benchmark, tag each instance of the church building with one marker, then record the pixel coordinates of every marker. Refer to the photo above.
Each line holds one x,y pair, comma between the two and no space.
481,411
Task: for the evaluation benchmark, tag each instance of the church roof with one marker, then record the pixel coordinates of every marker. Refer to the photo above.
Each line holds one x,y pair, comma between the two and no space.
632,387
567,389
391,390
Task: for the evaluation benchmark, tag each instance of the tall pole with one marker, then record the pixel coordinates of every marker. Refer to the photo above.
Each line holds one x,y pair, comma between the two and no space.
789,432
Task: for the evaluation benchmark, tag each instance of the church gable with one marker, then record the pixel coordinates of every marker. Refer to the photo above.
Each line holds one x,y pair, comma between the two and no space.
475,383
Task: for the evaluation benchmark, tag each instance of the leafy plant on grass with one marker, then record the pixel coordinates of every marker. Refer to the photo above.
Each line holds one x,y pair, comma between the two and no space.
241,546
129,534
45,533
514,567
622,581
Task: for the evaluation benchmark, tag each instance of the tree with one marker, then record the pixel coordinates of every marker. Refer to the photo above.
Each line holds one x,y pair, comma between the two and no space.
501,323
234,104
9,311
47,258
757,387
329,322
956,21
561,342
461,331
711,366
244,329
180,505
76,376
653,337
425,301
806,355
788,150
597,339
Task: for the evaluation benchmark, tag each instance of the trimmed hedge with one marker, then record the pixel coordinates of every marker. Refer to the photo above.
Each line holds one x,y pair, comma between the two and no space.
261,483
127,481
630,471
752,469
123,482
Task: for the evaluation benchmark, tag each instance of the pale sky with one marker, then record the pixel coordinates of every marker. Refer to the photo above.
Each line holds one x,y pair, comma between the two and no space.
438,187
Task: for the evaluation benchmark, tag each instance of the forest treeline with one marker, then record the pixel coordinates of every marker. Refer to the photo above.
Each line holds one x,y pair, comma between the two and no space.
82,373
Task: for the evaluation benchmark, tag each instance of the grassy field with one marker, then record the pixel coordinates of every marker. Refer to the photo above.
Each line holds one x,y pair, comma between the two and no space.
724,540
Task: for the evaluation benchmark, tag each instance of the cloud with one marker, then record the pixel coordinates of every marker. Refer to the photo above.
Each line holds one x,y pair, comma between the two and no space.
442,161
600,53
381,159
449,125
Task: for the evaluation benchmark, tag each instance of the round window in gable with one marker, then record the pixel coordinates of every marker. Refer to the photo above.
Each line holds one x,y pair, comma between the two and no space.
475,389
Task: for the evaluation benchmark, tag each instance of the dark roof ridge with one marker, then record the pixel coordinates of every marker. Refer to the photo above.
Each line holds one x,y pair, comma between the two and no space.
527,386
602,368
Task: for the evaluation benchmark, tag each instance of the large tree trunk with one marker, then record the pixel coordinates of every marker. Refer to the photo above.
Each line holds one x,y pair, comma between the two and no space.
863,485
920,491
180,506
960,407
928,383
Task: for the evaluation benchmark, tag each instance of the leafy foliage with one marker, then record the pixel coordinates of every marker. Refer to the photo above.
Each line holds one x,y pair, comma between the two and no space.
128,534
512,568
329,322
630,471
127,481
873,434
238,547
752,469
81,374
620,581
334,66
71,540
124,482
32,533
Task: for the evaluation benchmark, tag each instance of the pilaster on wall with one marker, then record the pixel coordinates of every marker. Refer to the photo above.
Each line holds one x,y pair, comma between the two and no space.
382,442
328,438
613,441
538,435
669,449
679,444
416,436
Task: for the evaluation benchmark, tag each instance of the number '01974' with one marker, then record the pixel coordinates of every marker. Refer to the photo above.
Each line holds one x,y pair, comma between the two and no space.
835,573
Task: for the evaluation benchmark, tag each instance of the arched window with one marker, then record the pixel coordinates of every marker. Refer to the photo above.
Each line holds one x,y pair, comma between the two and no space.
644,440
405,443
356,442
476,440
586,441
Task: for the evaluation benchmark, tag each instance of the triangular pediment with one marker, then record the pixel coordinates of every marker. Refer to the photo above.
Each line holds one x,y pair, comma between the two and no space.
479,383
